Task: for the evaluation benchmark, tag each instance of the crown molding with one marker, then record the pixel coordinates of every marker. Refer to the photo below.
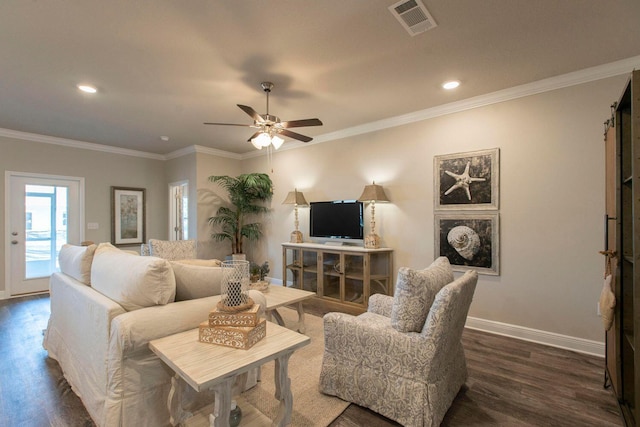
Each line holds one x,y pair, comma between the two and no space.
587,75
202,150
34,137
546,85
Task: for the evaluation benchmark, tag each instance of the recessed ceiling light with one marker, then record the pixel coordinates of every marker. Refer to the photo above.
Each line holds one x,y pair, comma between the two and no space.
87,88
451,85
164,138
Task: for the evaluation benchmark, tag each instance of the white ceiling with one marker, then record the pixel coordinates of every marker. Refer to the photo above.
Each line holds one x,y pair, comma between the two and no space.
164,67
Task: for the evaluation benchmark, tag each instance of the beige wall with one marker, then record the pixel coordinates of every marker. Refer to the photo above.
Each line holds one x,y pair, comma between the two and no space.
551,199
101,171
551,196
210,196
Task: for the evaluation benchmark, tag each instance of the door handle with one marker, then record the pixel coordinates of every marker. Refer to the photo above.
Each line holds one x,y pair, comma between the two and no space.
14,242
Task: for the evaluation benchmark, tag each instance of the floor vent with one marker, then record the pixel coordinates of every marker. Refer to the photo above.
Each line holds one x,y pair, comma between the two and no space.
414,17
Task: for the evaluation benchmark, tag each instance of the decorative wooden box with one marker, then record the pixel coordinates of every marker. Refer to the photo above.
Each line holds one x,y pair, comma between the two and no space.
244,318
243,337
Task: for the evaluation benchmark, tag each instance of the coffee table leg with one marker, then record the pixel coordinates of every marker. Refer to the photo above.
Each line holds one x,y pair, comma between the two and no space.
301,327
283,390
176,414
222,406
274,313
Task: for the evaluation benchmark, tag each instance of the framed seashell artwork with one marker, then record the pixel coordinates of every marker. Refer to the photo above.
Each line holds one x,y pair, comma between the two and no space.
467,181
471,241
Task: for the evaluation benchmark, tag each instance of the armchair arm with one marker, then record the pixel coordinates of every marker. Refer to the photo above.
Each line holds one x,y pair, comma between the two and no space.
371,340
380,304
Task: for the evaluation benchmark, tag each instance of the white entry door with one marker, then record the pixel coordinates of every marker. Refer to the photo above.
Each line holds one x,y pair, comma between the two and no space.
44,212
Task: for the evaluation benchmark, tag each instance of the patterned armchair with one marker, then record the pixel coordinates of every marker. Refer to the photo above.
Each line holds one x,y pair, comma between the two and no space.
410,377
173,249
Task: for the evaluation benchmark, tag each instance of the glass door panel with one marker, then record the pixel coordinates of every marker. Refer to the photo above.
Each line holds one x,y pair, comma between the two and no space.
310,271
380,273
293,267
45,228
331,275
354,278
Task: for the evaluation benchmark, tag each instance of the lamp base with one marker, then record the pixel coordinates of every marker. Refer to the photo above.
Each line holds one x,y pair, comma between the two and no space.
296,237
372,241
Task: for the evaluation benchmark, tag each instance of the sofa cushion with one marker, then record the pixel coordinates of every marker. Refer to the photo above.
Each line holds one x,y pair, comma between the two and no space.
132,281
75,261
196,281
415,293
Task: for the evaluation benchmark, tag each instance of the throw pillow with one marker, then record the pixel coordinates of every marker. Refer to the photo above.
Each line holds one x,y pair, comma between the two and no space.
75,261
415,292
196,281
132,281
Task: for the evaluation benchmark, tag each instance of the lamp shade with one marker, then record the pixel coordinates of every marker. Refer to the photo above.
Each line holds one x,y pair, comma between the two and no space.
373,193
295,197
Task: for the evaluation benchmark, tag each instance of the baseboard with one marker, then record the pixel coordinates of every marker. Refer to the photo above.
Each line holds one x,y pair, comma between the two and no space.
580,345
566,342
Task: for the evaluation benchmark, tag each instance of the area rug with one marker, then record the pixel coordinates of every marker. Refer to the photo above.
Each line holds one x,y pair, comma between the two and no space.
310,407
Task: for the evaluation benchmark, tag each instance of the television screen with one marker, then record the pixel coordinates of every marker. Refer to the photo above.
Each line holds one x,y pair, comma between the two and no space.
337,219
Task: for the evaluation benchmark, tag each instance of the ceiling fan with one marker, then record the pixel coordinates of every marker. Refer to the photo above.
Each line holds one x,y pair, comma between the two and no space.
271,126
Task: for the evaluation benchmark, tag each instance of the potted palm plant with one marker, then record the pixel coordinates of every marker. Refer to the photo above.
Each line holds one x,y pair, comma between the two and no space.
247,194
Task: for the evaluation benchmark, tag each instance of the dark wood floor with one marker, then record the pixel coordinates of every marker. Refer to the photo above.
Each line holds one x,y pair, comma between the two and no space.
511,382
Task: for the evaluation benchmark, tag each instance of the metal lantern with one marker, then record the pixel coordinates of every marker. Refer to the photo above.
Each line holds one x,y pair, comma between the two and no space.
234,289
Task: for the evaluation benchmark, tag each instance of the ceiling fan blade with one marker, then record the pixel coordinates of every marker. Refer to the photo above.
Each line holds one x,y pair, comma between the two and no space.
227,124
294,135
301,123
253,113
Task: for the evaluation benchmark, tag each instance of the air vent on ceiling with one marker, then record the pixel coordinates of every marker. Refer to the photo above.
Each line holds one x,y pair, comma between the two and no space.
414,17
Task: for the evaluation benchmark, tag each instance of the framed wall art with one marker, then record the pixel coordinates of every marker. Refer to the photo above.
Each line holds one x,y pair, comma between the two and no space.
469,240
467,180
128,216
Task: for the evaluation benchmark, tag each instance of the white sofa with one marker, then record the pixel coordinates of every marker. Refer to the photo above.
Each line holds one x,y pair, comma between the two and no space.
106,305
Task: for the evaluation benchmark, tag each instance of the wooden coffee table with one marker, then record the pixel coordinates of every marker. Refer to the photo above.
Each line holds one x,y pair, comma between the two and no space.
281,296
206,366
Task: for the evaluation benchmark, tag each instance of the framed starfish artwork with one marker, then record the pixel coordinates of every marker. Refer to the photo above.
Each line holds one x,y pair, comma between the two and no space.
471,241
467,180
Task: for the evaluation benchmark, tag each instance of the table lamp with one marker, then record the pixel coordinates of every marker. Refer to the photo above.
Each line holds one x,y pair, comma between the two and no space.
295,198
373,193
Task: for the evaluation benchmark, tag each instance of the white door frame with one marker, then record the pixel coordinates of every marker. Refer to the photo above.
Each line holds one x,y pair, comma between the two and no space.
8,176
172,215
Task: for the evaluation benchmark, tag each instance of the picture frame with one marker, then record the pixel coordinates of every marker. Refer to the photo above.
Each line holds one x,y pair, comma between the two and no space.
128,216
464,250
467,181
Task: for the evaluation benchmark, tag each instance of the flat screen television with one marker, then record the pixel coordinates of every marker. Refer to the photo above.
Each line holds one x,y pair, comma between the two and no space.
338,219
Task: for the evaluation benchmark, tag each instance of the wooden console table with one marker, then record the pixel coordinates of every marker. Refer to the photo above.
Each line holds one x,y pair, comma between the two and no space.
206,366
343,277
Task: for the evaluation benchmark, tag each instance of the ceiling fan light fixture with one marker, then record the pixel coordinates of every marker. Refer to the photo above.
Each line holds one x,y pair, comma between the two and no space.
262,140
277,141
256,144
